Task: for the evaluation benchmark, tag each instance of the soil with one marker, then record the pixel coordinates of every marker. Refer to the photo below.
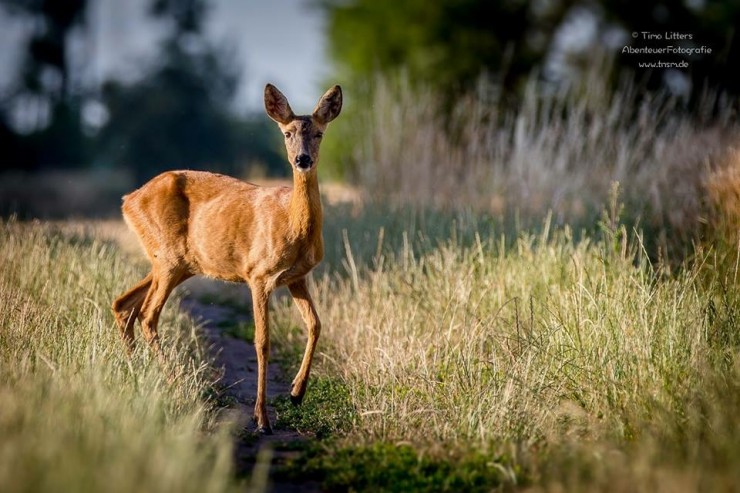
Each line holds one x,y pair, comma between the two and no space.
256,456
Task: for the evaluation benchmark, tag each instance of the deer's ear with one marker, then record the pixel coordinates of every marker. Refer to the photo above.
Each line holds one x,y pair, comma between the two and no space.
329,105
276,105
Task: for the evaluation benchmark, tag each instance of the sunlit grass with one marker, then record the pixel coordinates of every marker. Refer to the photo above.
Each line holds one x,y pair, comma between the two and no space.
571,362
584,351
76,414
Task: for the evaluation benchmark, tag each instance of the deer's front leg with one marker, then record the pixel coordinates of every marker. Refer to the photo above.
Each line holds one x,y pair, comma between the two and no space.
260,297
302,299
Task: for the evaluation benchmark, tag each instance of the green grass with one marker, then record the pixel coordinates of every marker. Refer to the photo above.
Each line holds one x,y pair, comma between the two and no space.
76,413
326,411
575,357
383,466
238,330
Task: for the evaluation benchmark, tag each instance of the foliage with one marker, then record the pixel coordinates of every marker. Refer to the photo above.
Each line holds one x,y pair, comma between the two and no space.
187,16
448,44
178,113
383,466
187,99
326,410
196,129
50,135
710,24
47,48
441,57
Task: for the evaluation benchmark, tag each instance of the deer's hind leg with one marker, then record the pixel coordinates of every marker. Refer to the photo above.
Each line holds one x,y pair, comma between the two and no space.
126,310
164,280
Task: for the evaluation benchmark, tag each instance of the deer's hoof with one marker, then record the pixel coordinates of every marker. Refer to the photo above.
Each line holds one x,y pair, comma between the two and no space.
264,430
296,400
261,429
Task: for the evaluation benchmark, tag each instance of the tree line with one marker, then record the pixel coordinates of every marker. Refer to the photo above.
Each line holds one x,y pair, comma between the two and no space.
179,114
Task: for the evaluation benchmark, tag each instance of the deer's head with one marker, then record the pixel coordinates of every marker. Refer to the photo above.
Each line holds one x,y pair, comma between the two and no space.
303,132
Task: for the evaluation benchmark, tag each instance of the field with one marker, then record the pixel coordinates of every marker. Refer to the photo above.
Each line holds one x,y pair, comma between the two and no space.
553,363
585,341
76,414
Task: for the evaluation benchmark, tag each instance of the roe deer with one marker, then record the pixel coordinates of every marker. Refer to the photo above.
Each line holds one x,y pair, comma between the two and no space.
196,222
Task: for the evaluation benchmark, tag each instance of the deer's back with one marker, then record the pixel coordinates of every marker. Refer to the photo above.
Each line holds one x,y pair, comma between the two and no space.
206,222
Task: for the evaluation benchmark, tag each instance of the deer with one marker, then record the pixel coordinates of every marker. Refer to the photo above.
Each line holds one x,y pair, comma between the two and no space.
202,223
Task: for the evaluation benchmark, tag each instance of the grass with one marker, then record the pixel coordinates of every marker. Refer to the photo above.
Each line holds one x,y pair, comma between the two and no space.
566,361
76,414
467,344
238,330
326,411
383,466
585,352
559,151
550,360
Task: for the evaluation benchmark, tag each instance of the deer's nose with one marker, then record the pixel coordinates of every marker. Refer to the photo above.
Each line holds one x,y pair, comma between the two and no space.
303,161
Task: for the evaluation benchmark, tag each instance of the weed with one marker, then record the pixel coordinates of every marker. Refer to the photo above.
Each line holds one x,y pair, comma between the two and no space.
383,466
325,411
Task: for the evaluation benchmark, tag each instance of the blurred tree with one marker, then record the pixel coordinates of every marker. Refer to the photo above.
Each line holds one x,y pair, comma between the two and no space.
14,151
52,135
444,46
46,69
175,117
447,43
179,115
710,23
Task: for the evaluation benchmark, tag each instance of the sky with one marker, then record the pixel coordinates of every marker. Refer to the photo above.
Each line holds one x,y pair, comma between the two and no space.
277,41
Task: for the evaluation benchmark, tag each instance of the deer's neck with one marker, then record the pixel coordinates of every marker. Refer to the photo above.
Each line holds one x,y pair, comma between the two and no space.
305,206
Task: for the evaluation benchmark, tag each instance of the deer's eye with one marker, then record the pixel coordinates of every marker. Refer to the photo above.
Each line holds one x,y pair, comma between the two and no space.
288,135
319,135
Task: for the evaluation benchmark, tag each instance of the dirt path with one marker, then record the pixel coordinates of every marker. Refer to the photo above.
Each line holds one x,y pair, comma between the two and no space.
256,456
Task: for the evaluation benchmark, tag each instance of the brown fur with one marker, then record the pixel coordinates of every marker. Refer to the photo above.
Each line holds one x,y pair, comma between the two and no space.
196,222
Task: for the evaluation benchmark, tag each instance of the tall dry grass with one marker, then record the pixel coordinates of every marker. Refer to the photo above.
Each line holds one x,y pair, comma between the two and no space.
581,362
558,151
75,413
722,185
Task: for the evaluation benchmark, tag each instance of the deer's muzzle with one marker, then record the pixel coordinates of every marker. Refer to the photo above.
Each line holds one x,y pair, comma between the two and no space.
303,162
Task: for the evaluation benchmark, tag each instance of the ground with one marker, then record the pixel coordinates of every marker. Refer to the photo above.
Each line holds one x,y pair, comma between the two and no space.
238,387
